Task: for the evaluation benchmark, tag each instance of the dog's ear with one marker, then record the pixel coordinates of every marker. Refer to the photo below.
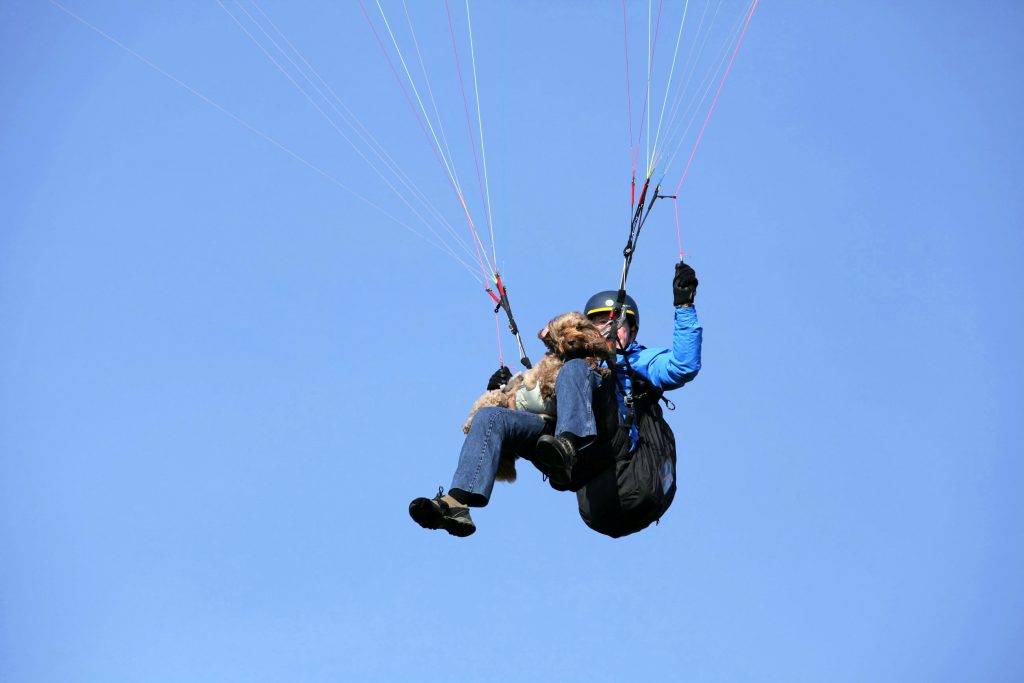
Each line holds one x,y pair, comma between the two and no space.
593,341
598,345
551,333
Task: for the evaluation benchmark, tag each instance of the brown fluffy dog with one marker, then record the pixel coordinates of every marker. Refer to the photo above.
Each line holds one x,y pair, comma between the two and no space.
568,336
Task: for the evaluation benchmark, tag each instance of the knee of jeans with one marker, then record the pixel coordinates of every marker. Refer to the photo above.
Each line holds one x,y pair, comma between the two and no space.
576,366
489,414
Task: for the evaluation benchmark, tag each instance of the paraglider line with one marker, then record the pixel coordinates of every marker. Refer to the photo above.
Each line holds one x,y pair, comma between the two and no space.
320,110
465,104
717,93
692,59
419,100
706,87
430,92
502,302
644,113
256,131
367,138
476,239
497,329
480,127
629,98
679,234
671,73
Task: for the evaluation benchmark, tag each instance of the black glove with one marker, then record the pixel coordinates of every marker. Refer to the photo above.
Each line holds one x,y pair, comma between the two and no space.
684,285
502,376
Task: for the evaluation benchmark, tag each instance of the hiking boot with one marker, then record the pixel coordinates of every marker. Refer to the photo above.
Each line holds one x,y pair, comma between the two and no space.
442,512
555,455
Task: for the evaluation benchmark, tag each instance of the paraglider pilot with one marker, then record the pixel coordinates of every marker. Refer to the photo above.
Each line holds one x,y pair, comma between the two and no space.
610,443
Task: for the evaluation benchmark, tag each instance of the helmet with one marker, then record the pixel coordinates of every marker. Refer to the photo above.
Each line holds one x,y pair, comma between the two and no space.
604,302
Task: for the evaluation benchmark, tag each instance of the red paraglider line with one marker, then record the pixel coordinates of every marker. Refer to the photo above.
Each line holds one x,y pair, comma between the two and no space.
679,232
717,93
629,89
465,105
497,328
650,69
394,71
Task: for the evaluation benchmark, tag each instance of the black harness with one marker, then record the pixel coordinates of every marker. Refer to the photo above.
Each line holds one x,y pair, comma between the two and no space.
620,488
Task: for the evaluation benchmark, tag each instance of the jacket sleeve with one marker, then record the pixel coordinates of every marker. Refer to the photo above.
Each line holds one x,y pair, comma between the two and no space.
672,368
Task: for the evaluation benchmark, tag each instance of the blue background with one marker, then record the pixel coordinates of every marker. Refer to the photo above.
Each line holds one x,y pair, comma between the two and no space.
222,378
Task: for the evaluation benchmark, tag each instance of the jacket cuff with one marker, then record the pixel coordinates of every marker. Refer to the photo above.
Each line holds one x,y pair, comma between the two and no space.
686,313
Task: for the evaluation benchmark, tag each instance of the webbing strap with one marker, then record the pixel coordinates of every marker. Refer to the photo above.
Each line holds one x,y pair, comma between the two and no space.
502,303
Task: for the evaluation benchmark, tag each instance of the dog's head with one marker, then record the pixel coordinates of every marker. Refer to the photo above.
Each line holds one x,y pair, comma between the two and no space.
571,335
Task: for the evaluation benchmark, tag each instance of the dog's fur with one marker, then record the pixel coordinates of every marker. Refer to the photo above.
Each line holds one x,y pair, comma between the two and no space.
570,335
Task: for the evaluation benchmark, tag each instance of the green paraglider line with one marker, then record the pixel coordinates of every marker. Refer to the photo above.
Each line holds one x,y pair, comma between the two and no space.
714,102
477,243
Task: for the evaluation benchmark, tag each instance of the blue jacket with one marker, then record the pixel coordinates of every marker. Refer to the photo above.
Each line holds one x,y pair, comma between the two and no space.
666,369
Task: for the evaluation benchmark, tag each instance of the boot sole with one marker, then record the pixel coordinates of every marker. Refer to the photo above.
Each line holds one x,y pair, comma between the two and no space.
427,515
455,528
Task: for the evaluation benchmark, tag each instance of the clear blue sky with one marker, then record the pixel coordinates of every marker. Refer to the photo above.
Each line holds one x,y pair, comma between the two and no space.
222,378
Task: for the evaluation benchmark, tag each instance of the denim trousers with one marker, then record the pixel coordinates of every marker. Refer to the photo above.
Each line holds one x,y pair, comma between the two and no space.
498,430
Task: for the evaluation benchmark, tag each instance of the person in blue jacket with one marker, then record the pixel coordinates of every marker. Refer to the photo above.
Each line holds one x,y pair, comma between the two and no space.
589,412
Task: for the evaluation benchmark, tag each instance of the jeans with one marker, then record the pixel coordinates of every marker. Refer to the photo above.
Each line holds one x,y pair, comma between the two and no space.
497,430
